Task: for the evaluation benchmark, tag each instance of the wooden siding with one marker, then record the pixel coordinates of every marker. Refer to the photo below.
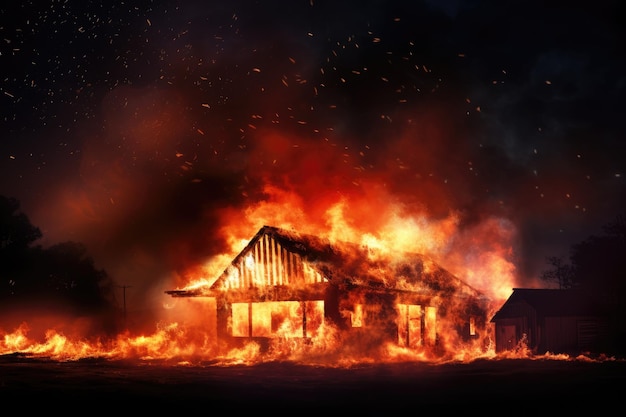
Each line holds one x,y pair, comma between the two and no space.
267,263
560,335
574,334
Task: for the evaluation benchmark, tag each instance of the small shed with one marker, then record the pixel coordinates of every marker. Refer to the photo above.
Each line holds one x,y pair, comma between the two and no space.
285,284
551,321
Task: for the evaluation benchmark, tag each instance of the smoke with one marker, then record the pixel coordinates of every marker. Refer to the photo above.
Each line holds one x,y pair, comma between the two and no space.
214,129
160,188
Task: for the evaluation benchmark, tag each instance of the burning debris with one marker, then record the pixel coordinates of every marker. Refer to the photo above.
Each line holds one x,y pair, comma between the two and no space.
289,286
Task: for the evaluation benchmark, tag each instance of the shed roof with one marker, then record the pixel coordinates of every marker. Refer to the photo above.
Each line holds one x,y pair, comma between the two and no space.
548,302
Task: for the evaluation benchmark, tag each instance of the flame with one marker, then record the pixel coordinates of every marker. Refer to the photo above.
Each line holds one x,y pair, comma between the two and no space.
481,255
170,342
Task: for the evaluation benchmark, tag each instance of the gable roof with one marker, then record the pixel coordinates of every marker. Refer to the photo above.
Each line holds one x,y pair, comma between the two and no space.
350,264
549,302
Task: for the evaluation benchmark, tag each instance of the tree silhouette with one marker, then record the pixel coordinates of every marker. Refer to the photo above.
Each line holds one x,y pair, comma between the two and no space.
70,275
17,235
599,262
561,273
16,231
598,266
61,275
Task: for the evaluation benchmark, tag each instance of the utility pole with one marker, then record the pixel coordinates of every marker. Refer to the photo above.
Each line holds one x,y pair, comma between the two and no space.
123,287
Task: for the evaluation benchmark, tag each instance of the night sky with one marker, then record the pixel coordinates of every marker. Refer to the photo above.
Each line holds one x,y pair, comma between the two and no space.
143,128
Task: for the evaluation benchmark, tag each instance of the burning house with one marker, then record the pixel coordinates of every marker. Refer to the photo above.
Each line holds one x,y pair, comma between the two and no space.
285,284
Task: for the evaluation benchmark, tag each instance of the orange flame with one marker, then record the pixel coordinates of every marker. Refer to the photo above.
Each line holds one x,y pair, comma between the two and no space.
481,256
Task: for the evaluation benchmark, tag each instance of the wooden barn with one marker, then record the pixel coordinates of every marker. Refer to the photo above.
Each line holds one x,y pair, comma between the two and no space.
551,321
287,284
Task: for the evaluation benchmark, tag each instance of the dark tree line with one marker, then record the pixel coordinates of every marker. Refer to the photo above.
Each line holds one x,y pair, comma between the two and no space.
62,275
597,266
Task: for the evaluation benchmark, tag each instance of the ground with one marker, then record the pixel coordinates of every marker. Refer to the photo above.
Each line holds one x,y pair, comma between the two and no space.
487,387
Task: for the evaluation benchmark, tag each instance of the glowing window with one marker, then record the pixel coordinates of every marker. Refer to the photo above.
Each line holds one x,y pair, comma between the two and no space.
409,323
241,320
261,319
356,317
430,324
277,319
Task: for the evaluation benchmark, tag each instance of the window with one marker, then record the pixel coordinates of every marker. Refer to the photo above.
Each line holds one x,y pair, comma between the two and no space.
356,317
277,318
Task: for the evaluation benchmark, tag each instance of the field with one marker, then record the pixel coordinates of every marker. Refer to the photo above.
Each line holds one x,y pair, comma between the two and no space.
487,387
